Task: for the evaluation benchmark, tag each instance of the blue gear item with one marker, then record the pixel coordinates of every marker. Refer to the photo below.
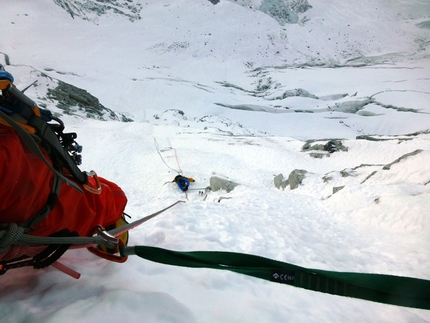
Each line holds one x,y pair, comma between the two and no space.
182,182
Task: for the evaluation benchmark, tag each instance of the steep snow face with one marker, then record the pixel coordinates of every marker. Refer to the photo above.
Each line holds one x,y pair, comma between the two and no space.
234,61
229,91
348,30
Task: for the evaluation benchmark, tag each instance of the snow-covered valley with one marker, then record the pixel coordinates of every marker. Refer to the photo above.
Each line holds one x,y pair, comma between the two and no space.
236,91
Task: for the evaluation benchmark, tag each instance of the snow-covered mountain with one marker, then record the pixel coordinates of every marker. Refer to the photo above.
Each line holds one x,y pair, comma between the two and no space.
283,11
231,56
331,96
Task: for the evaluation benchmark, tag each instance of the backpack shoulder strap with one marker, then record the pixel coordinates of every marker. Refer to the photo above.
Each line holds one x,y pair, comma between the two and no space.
30,118
34,148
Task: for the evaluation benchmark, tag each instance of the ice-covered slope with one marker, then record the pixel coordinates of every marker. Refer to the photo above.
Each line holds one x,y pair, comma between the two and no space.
227,90
205,59
376,223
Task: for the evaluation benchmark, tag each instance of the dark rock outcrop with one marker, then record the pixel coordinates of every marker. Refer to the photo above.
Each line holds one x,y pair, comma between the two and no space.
90,9
295,178
284,11
331,146
280,182
217,183
75,101
405,156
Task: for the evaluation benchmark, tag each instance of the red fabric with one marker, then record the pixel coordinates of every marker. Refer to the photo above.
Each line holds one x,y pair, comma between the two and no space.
26,184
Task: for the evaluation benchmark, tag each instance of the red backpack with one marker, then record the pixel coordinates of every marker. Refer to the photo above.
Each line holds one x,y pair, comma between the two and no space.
47,203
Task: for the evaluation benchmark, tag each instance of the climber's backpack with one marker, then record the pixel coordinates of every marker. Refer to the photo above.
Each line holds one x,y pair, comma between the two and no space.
38,127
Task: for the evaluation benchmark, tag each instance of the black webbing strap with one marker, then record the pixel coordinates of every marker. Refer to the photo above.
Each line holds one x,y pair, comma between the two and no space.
48,136
49,205
43,259
395,290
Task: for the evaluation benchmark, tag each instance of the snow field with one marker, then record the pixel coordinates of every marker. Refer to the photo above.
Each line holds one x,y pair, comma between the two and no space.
195,78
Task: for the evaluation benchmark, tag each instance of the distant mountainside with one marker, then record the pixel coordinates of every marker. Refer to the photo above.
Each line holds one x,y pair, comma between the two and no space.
239,50
90,10
284,11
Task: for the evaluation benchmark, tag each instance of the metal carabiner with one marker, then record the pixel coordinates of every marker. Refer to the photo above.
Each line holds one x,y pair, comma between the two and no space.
90,189
100,231
112,241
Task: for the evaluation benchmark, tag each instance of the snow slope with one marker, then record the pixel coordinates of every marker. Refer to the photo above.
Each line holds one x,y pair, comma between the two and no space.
226,90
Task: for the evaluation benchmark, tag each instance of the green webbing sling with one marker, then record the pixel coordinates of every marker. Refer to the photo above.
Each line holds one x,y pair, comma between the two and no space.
387,289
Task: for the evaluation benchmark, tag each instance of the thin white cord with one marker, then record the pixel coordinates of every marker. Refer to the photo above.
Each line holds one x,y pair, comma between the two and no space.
157,147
